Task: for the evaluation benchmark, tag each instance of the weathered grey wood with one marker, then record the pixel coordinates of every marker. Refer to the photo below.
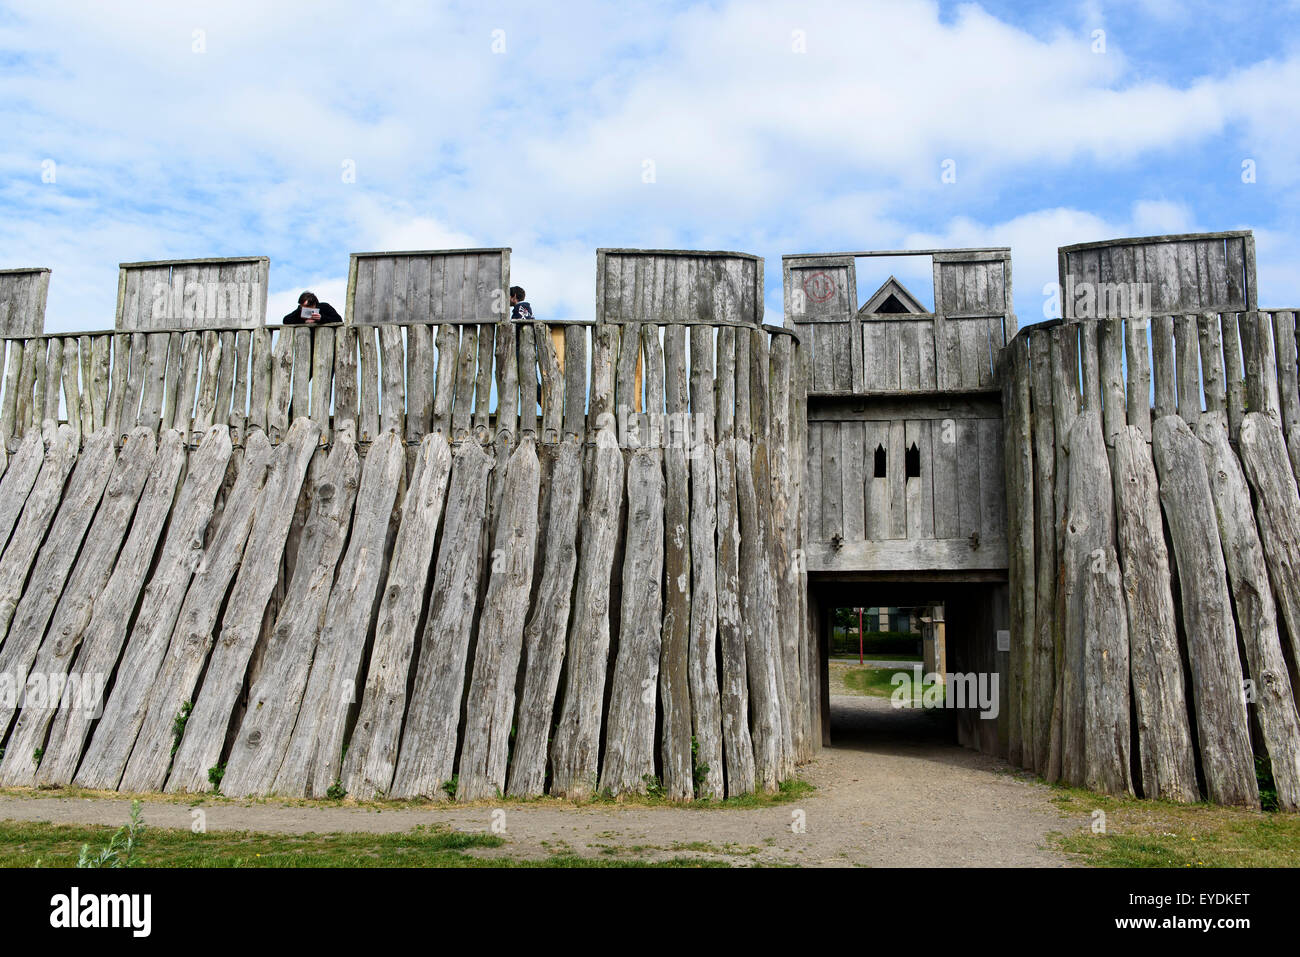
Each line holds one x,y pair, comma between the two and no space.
528,392
100,357
1165,747
392,411
1285,344
483,383
300,384
1234,373
96,647
1114,408
1219,699
630,726
345,378
369,391
190,641
1063,359
1096,702
507,371
419,382
552,379
1188,346
38,511
576,746
1260,364
1277,511
466,362
23,616
26,382
53,383
239,396
182,553
428,739
71,392
84,409
737,740
448,341
277,406
155,380
9,421
1162,366
1211,343
1257,625
322,380
183,408
16,485
490,707
274,698
1019,471
73,611
205,410
259,376
225,384
547,625
227,665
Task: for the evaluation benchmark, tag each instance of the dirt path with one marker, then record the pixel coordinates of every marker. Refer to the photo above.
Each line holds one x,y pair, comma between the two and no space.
892,792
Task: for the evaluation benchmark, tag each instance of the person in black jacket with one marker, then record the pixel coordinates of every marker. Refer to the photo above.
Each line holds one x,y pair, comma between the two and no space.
308,300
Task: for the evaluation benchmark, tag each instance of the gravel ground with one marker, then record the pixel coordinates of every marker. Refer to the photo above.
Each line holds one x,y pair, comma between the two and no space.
892,791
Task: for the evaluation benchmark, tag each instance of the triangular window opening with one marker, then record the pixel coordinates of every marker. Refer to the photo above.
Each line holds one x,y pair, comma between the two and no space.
880,461
913,461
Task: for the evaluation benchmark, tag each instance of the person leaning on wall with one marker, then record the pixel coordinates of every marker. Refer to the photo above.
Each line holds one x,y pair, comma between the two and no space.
312,312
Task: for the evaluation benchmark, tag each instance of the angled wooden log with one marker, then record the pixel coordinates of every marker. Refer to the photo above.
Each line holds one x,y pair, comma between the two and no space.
419,379
225,382
226,659
72,614
205,408
273,699
1217,693
487,335
737,740
1210,338
547,626
52,566
1167,757
1096,622
182,552
1277,511
429,739
189,641
1257,624
552,376
84,400
1234,372
466,362
630,728
19,477
24,399
38,512
490,708
373,750
100,358
575,751
155,379
369,390
92,652
392,412
676,758
313,755
37,411
706,711
259,376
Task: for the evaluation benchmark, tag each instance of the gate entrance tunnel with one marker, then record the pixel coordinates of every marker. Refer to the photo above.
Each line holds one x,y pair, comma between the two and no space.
934,657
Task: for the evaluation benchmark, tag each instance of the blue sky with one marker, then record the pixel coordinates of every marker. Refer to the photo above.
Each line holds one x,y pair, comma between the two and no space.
220,129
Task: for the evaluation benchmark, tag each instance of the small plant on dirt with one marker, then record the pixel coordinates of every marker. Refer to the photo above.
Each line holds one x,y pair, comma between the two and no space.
700,772
120,851
178,725
450,786
653,786
215,774
37,755
336,791
1267,786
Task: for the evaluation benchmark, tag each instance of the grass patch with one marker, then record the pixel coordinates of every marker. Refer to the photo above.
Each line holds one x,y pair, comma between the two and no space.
1141,833
877,682
57,845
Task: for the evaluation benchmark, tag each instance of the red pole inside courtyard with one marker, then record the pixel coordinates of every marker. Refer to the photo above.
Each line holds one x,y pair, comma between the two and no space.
859,636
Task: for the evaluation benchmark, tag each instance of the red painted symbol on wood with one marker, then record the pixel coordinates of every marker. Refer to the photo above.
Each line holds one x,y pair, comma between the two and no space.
819,287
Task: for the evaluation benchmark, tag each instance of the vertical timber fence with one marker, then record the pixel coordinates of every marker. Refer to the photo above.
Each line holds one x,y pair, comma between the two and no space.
426,553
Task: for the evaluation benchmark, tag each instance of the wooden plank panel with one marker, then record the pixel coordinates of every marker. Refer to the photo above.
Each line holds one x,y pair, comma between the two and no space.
851,472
